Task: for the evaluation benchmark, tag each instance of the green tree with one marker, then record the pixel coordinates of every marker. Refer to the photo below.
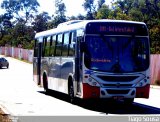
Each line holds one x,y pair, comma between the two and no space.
100,3
6,39
21,37
124,5
41,22
5,24
155,39
21,10
90,8
60,13
79,17
103,12
1,27
136,14
118,14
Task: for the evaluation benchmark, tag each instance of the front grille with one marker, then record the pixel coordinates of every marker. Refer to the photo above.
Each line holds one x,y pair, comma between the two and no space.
118,78
119,85
117,91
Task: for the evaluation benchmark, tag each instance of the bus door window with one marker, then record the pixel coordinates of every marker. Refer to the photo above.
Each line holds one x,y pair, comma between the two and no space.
47,46
71,47
78,63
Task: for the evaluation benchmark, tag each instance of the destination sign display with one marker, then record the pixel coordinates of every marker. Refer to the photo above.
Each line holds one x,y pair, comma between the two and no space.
118,29
115,28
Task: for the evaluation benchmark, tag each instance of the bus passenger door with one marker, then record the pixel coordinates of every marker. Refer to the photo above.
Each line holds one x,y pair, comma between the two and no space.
78,65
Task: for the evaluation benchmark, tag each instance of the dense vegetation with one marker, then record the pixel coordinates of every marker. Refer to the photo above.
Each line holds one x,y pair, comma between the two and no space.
21,19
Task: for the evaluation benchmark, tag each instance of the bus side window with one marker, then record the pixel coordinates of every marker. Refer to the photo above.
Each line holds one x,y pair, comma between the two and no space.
53,44
72,44
59,45
47,46
36,48
43,46
50,45
65,44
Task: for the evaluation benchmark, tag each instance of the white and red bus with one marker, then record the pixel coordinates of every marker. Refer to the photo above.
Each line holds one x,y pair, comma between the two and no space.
94,59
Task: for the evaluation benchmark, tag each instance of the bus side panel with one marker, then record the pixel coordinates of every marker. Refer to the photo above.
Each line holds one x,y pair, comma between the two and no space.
66,69
54,73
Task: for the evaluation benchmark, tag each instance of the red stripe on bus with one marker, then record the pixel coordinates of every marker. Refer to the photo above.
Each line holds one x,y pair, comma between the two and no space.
143,92
90,91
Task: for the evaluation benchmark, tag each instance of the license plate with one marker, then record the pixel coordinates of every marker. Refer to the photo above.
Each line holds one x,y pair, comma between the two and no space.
118,97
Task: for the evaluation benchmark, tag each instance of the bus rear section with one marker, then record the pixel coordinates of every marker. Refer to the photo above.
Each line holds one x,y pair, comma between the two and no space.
116,60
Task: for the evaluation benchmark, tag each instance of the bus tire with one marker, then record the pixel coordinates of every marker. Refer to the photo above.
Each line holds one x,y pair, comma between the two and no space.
45,83
128,101
71,91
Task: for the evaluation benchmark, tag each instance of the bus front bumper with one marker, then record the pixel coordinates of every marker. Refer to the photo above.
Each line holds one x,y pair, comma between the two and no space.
98,92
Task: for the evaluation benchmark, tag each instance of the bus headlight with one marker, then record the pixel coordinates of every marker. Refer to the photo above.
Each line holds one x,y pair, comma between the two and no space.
93,82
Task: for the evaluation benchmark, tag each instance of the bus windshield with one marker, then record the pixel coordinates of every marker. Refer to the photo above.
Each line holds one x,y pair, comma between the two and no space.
116,54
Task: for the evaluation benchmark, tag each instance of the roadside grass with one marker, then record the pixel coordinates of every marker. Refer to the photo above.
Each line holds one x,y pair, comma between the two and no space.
23,60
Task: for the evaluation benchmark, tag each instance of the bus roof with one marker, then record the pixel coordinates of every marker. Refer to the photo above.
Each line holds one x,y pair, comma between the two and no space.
78,24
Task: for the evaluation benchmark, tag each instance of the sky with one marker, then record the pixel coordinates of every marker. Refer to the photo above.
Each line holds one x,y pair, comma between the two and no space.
73,7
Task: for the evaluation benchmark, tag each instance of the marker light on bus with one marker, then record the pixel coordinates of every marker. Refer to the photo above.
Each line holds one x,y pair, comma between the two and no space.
141,83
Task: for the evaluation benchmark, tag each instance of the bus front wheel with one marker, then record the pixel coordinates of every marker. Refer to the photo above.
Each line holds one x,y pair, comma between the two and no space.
45,83
71,92
128,101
